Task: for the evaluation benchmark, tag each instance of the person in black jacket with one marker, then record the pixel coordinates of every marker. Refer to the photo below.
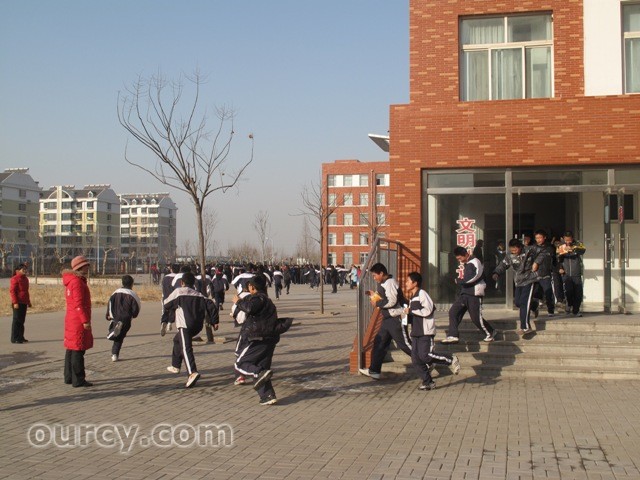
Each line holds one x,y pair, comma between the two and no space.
191,309
472,287
219,285
123,306
260,334
168,317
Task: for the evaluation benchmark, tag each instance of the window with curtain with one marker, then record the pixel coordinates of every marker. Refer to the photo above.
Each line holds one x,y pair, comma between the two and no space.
631,27
505,58
348,199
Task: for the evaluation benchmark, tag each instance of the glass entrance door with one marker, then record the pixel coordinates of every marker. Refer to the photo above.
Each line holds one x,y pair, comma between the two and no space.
617,251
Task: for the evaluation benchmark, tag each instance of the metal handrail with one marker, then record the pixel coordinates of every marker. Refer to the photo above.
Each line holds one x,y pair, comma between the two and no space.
399,261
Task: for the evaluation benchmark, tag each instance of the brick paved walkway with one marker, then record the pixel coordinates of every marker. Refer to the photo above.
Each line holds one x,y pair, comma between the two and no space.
328,424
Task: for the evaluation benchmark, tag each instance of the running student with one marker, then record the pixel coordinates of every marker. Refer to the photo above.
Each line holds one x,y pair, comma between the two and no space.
191,309
389,298
260,334
123,306
472,287
421,315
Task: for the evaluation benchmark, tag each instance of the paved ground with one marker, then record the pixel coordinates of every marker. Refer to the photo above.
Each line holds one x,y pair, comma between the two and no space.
328,424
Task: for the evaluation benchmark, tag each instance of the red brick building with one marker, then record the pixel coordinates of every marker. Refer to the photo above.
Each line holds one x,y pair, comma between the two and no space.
357,195
522,115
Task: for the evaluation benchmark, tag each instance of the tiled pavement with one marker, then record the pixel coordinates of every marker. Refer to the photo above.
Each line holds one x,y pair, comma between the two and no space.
328,424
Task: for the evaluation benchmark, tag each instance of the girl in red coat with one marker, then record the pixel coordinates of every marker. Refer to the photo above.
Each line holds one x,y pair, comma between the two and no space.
19,291
77,321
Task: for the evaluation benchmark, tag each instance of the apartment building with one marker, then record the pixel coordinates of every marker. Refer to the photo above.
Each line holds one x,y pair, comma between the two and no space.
148,229
82,221
521,115
356,198
19,197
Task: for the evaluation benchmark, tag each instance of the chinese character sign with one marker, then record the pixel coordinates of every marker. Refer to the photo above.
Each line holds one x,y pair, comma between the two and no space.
466,236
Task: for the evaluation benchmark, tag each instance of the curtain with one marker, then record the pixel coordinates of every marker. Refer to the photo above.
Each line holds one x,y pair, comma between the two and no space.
632,64
482,31
475,75
538,65
506,74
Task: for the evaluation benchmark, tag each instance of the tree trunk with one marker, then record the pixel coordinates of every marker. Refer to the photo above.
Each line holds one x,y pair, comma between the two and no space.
202,255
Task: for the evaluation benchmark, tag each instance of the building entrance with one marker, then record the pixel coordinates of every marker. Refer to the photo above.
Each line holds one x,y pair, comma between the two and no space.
483,210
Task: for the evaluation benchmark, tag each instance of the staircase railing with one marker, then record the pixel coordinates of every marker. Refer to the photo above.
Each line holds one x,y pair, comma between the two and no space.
399,261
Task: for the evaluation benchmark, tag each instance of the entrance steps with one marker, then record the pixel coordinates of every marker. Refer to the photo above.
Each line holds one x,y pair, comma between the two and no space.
597,346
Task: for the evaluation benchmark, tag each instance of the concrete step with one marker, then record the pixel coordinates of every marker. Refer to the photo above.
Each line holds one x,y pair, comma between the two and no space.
501,359
519,371
631,337
549,347
621,324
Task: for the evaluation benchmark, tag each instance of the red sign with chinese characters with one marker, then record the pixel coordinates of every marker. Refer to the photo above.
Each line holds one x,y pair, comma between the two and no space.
466,236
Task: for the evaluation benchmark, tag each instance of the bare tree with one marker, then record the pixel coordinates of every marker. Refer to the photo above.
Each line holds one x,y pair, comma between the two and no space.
316,208
306,247
261,226
243,252
6,248
209,222
106,252
189,156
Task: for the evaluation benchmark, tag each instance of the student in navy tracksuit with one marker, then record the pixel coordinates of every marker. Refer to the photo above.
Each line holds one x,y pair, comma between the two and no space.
261,333
389,298
421,315
472,287
168,317
523,260
219,285
123,306
192,309
277,282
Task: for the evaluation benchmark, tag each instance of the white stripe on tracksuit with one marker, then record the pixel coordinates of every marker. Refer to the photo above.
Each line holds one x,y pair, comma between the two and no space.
528,316
184,352
238,361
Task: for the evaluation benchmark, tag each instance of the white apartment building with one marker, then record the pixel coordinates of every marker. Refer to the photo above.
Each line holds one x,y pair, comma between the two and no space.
19,196
147,230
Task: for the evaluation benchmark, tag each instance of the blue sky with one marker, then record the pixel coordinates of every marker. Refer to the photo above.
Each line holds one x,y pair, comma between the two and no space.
309,79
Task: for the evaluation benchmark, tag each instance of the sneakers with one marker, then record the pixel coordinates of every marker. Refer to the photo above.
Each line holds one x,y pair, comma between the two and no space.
116,331
491,336
240,381
163,328
368,373
170,327
427,386
269,400
455,365
450,340
197,338
191,381
551,314
173,369
575,315
525,331
114,358
262,378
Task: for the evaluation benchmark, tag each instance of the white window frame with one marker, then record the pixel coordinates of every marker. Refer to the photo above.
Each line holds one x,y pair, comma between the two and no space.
380,199
365,197
348,238
347,200
332,239
489,47
348,219
627,36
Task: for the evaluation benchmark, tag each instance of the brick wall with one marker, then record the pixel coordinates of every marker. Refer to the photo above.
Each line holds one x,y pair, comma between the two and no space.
435,130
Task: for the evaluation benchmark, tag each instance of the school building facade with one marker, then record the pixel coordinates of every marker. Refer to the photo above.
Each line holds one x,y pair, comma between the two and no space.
521,115
355,197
